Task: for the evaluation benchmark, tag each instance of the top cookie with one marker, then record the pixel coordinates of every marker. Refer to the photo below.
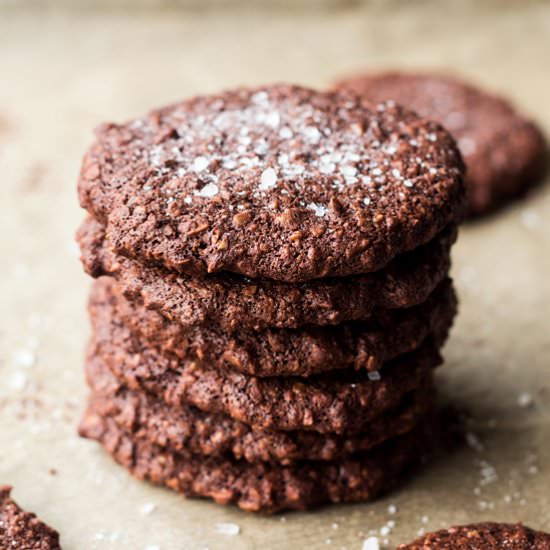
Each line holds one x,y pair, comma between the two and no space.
279,182
482,536
504,152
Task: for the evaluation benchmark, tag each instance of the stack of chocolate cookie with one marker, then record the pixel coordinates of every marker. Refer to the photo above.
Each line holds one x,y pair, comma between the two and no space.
273,293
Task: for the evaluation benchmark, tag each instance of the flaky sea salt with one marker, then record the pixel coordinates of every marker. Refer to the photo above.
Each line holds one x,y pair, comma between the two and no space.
199,164
24,358
229,529
148,508
371,544
230,164
268,179
327,167
525,400
530,218
286,132
260,97
312,134
209,190
273,119
348,170
318,209
18,380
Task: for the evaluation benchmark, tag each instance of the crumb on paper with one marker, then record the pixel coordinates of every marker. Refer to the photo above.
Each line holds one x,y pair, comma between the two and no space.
474,442
24,358
525,400
229,529
148,508
371,544
530,218
18,381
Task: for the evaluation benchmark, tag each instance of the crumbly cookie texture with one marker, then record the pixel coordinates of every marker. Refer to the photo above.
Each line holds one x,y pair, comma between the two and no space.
482,536
20,529
504,151
283,352
259,487
185,427
232,301
340,402
279,182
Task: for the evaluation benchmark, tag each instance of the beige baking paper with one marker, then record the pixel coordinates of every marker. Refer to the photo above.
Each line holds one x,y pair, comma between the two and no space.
61,75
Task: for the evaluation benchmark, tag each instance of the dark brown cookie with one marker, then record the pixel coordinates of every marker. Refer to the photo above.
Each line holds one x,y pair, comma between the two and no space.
504,152
482,536
187,428
232,301
280,182
23,530
259,487
335,402
283,352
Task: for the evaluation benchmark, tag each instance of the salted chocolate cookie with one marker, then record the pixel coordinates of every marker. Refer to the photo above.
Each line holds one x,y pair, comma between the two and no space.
279,182
482,536
282,352
23,530
258,487
231,301
338,402
185,427
504,152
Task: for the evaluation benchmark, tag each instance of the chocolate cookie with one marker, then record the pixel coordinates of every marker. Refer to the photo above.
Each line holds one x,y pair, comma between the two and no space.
482,536
279,182
187,428
504,152
20,529
335,402
232,301
283,352
259,487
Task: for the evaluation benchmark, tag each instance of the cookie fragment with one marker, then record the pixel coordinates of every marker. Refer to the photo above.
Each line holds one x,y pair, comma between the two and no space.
503,150
482,536
20,529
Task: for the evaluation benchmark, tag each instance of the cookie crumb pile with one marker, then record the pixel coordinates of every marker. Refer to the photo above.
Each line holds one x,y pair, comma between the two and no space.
504,151
272,293
20,529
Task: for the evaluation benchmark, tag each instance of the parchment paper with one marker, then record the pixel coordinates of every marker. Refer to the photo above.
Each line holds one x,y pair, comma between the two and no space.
62,75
